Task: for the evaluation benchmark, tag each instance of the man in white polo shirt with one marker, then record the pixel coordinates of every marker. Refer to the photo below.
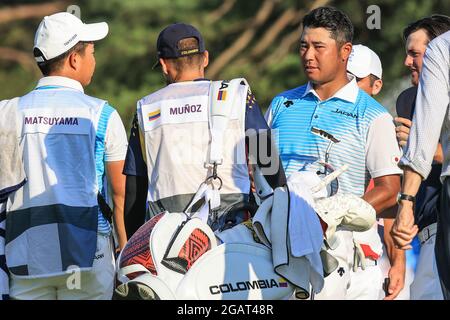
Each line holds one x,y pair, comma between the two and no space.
58,241
366,283
363,131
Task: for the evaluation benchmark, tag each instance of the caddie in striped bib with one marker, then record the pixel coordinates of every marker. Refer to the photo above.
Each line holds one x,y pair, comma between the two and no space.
58,240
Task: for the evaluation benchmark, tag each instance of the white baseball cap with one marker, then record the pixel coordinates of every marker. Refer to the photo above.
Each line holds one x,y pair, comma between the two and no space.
363,61
61,31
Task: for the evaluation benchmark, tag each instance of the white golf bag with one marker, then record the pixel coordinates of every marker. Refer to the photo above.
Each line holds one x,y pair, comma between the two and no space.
179,257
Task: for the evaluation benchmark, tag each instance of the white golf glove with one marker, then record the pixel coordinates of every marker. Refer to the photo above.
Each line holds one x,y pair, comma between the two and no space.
347,211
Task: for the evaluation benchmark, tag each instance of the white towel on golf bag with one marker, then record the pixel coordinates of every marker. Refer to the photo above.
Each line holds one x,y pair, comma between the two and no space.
305,231
295,234
278,226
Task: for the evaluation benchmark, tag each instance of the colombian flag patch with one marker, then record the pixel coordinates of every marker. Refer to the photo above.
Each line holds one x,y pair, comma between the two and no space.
222,95
282,283
152,116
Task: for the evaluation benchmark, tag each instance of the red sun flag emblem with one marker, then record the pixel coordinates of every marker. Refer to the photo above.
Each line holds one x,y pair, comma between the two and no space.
395,159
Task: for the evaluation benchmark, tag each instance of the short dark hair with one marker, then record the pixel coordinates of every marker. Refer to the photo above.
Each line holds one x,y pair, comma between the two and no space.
55,64
373,78
433,25
189,61
332,19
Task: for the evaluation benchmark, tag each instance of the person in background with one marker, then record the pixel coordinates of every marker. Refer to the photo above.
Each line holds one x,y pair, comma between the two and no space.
366,66
169,145
331,101
151,164
417,35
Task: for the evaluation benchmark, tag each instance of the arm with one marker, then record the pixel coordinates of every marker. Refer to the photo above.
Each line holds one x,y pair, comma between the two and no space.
384,194
403,128
382,152
135,203
136,182
397,261
115,151
383,198
439,155
117,182
404,229
431,107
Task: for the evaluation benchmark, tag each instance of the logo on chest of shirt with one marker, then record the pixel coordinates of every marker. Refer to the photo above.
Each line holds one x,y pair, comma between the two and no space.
345,113
288,103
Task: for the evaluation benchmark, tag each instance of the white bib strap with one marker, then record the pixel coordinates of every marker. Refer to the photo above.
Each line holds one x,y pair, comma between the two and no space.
212,201
263,189
221,98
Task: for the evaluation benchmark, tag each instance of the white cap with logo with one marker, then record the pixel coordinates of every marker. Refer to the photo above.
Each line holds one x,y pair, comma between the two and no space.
363,61
61,31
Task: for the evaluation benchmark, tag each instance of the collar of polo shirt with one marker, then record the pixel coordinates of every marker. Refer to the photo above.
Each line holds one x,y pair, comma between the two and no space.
349,92
59,81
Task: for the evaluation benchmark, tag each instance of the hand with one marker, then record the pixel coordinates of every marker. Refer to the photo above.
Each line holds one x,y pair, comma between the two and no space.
117,253
396,280
402,128
404,229
121,242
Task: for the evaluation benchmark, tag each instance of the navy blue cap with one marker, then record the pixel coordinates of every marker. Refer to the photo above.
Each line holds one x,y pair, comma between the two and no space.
169,38
406,102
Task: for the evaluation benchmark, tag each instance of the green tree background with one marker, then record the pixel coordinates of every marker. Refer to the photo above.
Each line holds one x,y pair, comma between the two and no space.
258,40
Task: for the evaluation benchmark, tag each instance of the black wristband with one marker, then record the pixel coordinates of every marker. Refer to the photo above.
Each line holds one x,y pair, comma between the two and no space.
407,197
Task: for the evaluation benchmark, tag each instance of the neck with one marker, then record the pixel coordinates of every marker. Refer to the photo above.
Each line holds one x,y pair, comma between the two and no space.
189,75
69,75
326,90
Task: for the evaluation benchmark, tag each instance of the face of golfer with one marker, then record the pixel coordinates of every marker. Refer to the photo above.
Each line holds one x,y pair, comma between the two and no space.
416,45
320,55
87,65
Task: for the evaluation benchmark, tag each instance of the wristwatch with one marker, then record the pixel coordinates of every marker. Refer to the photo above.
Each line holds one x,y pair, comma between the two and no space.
407,197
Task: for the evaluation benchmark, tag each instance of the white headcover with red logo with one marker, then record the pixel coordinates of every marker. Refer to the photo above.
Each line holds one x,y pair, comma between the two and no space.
166,247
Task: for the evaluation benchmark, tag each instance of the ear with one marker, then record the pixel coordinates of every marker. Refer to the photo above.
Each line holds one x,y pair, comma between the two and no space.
206,61
164,66
74,61
376,88
345,50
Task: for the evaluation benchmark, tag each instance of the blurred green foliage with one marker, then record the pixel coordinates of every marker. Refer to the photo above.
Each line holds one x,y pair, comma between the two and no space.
259,37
